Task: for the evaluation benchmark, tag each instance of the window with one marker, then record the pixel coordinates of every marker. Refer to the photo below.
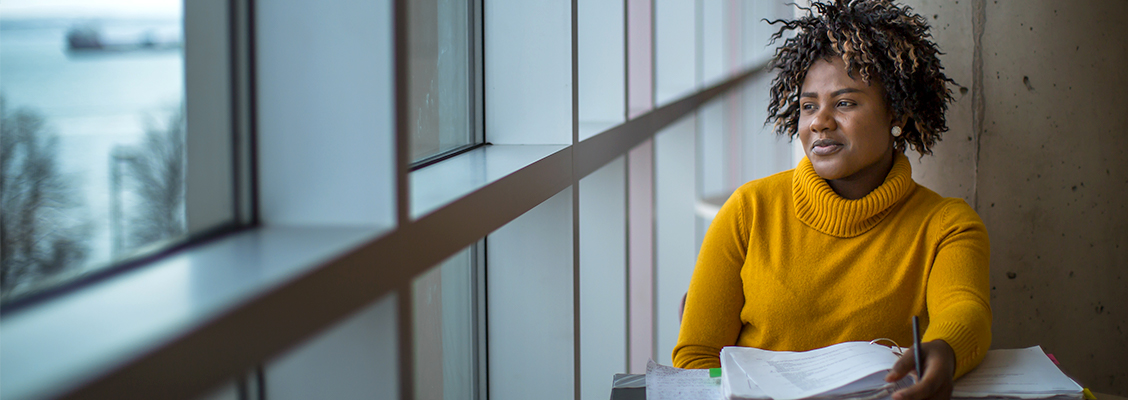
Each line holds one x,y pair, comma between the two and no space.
443,78
449,328
94,136
348,285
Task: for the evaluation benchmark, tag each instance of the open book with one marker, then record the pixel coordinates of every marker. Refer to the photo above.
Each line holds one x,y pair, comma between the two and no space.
856,371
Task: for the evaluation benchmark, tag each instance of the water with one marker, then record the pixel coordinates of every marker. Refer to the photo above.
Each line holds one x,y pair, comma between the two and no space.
93,101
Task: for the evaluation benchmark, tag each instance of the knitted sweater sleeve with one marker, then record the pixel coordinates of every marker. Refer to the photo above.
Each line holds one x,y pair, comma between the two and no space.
711,319
958,290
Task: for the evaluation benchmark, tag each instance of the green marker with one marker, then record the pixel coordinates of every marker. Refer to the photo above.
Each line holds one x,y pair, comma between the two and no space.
714,372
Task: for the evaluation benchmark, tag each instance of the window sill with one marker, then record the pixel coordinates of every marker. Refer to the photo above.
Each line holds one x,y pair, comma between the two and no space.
107,334
441,184
707,207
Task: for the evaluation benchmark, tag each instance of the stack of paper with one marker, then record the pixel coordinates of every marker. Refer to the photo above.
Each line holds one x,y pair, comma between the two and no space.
856,371
851,370
1016,373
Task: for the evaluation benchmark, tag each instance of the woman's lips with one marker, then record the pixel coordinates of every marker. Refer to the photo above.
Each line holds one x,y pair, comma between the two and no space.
825,147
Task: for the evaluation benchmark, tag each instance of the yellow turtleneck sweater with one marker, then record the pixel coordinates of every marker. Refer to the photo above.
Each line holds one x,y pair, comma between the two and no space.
788,264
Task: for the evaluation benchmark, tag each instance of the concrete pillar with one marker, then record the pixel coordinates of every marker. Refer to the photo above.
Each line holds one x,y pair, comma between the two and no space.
1042,159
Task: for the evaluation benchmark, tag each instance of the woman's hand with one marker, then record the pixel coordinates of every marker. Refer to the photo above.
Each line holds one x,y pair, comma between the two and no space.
939,367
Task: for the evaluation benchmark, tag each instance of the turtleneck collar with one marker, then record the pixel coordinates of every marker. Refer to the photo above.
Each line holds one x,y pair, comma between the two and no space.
818,206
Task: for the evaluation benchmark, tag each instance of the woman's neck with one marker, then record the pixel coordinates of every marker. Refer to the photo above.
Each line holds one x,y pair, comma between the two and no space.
864,181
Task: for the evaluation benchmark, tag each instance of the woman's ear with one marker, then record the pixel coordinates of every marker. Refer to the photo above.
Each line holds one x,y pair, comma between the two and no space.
901,122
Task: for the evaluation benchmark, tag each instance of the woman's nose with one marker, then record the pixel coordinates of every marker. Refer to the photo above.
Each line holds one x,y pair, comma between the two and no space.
822,120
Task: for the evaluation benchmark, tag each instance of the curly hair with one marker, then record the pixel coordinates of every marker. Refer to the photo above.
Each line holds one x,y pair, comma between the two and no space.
877,40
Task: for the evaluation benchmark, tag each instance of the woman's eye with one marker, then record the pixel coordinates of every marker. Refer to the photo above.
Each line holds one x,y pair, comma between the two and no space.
845,103
808,106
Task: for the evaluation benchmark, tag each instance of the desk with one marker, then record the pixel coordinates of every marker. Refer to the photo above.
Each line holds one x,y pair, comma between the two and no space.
639,393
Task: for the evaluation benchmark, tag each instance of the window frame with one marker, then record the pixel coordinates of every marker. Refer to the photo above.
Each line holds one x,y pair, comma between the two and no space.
243,332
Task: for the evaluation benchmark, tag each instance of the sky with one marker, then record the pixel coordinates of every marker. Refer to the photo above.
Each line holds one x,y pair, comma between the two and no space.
25,9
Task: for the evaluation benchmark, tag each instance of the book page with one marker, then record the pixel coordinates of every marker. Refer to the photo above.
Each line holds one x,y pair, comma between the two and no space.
794,375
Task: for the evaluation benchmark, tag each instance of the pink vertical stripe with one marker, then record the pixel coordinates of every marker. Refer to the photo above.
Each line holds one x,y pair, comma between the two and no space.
735,36
640,216
733,103
640,82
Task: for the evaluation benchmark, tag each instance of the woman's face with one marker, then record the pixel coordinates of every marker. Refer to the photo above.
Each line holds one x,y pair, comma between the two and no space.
844,124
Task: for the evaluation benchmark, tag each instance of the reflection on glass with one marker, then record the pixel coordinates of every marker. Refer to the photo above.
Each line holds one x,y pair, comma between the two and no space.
445,328
440,77
92,137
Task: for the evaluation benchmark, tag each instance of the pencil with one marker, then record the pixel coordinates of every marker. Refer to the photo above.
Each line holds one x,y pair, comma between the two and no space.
916,348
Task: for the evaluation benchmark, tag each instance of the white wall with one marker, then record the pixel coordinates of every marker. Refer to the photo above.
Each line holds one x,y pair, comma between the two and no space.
675,224
675,49
602,65
528,72
356,358
712,138
765,152
603,278
530,286
711,28
325,97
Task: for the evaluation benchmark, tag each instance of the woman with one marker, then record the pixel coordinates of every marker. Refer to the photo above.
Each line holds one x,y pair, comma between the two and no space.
846,247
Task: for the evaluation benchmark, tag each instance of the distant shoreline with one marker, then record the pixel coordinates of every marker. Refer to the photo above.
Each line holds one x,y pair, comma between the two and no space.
10,23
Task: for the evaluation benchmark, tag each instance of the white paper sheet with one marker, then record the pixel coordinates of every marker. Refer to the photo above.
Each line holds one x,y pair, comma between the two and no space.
735,383
1016,373
795,375
669,383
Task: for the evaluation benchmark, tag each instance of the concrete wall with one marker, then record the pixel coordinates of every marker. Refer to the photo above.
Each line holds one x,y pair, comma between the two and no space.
1041,156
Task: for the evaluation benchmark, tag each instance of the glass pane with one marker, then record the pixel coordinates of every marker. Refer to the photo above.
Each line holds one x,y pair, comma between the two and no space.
439,98
445,318
93,135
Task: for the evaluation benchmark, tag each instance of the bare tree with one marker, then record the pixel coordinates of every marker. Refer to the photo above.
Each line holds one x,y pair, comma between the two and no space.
39,239
157,169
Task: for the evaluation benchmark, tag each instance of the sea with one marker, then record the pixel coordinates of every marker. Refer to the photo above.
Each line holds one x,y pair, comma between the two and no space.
93,101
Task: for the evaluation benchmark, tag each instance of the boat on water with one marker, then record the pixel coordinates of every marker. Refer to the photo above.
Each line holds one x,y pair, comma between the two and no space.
88,38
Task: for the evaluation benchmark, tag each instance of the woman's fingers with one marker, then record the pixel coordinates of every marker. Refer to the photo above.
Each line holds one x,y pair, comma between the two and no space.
931,387
939,365
901,368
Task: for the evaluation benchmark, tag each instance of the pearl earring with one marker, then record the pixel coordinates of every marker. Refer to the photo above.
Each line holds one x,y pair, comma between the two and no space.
896,131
